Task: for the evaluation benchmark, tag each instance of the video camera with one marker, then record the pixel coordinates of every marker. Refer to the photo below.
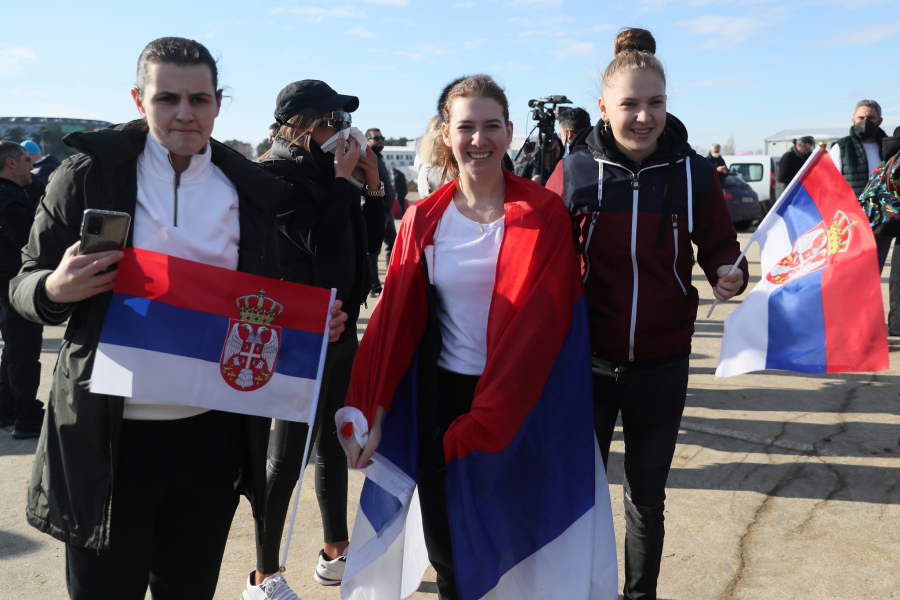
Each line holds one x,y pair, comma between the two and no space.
546,117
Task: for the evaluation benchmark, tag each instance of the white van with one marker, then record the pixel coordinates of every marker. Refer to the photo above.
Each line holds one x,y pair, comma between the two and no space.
760,171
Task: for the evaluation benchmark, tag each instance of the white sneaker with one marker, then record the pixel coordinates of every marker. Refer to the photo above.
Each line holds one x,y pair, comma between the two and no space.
330,572
274,587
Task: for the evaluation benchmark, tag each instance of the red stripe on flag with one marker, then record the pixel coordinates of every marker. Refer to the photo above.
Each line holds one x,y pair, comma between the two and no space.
855,333
204,288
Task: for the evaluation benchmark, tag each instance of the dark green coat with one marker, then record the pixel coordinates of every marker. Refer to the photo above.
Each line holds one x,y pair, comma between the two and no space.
854,164
71,487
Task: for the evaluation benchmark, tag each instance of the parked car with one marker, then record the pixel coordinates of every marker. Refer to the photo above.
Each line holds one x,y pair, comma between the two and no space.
743,203
760,171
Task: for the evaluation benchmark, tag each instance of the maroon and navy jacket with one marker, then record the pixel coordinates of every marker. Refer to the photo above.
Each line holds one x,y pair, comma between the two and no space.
634,224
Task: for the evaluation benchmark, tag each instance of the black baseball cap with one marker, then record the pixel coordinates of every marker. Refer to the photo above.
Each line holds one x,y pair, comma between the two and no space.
310,93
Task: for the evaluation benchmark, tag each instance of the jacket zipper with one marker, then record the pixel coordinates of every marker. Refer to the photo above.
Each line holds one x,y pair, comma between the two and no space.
635,186
675,262
177,185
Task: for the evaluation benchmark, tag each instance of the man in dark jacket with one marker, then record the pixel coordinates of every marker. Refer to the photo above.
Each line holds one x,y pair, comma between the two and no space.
860,153
715,157
20,362
574,128
793,159
376,144
398,182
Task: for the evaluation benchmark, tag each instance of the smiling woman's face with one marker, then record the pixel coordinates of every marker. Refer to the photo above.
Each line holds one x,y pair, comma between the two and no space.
478,134
180,105
635,107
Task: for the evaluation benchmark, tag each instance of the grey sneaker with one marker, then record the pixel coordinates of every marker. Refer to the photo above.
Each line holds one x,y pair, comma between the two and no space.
330,572
275,587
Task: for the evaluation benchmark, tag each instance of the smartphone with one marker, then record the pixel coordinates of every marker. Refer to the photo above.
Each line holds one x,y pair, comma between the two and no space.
103,230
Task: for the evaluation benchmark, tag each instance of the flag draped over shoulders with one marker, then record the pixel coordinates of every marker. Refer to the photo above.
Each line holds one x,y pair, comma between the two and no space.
527,495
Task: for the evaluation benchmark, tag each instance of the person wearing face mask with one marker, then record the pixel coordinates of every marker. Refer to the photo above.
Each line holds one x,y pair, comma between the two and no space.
474,313
640,196
715,157
860,153
324,236
143,493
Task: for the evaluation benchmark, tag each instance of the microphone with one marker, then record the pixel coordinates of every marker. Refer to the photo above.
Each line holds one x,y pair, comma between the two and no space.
556,100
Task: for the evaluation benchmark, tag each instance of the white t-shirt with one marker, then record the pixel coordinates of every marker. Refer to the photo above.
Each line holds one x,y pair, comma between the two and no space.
872,156
465,268
207,231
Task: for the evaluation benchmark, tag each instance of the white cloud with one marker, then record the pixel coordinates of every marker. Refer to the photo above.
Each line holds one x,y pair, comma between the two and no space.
422,52
575,49
411,55
12,59
360,31
464,5
316,14
473,44
535,3
862,36
388,2
722,32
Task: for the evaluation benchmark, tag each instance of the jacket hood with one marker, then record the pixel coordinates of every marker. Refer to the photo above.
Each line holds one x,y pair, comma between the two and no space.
673,143
890,145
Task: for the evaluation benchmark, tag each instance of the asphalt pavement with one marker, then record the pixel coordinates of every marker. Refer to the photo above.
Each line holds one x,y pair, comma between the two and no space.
784,485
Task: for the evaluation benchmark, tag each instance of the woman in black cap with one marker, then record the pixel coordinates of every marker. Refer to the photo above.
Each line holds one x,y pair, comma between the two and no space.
324,237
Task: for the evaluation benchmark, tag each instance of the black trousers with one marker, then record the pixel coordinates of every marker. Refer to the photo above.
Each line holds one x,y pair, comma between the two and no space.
286,458
894,292
457,392
390,234
651,400
173,501
20,366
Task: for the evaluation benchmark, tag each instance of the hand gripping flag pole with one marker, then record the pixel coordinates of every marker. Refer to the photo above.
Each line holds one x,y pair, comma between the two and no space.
312,418
762,225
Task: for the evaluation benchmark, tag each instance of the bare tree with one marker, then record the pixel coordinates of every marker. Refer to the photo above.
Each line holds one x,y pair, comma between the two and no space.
728,146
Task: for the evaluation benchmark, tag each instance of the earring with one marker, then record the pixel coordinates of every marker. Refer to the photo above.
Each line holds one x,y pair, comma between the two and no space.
605,126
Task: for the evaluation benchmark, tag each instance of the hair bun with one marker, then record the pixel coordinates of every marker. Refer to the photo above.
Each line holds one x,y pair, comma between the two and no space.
639,40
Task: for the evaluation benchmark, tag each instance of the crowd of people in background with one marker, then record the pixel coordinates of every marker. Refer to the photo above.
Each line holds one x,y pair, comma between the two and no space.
332,215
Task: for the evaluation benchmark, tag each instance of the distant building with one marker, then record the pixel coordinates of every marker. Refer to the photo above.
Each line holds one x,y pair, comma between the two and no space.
32,126
779,143
401,158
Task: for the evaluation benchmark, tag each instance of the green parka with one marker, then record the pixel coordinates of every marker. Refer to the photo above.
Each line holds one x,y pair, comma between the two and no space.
71,490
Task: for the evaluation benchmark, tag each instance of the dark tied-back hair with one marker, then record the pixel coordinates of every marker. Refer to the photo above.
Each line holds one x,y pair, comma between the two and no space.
175,51
575,119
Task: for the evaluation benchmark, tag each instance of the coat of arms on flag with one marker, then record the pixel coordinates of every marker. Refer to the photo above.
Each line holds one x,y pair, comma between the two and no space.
813,250
251,349
183,332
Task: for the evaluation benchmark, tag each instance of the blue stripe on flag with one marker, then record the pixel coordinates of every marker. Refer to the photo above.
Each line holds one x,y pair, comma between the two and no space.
799,212
505,506
150,325
797,344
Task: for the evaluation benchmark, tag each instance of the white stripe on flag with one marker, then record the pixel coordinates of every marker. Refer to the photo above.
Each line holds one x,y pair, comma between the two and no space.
137,373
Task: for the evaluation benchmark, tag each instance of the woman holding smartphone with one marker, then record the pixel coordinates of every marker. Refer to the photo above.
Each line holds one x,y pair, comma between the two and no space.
641,196
143,493
323,240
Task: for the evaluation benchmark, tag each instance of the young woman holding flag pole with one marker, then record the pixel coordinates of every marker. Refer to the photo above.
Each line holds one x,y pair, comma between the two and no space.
144,493
640,196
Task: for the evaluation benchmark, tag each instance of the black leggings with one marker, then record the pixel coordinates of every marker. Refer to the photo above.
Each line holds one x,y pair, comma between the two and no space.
331,464
651,399
457,392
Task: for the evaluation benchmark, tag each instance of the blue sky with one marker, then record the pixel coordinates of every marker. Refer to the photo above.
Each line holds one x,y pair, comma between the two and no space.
746,68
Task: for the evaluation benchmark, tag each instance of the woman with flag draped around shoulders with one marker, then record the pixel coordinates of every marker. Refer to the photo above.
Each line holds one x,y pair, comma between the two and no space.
142,492
472,386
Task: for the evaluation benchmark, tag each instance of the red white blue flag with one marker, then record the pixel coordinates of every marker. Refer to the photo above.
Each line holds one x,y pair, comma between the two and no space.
187,333
818,306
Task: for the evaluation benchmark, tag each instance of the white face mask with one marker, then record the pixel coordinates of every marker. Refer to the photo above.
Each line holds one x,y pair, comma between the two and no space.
714,154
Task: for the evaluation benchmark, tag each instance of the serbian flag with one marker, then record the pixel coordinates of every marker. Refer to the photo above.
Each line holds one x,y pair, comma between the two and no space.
818,306
526,488
183,332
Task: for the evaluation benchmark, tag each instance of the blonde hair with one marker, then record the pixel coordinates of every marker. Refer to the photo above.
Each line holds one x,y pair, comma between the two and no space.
298,129
474,86
635,49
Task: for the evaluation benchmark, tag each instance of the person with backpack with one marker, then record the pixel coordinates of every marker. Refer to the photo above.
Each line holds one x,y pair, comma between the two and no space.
640,197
